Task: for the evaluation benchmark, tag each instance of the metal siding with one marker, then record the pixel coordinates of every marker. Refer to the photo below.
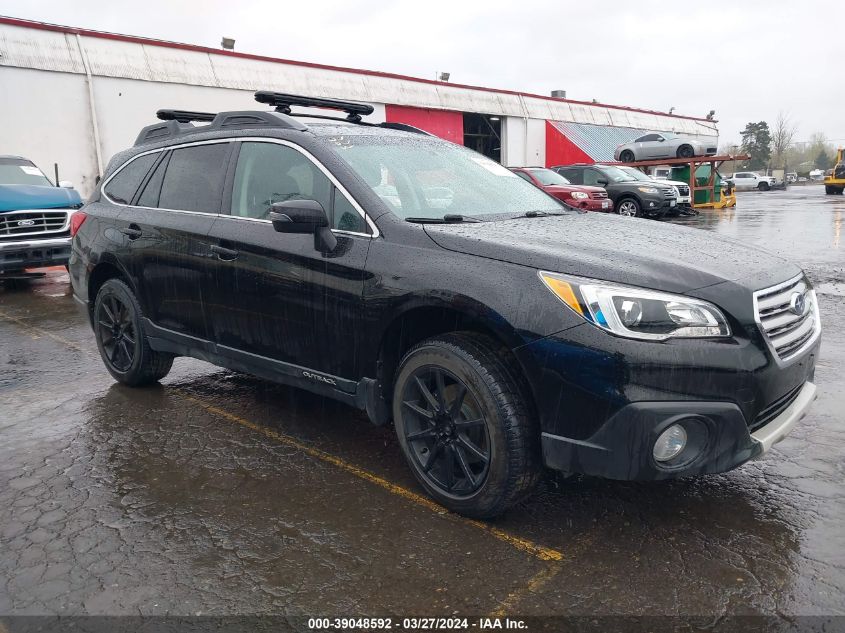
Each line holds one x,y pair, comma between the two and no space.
48,50
601,141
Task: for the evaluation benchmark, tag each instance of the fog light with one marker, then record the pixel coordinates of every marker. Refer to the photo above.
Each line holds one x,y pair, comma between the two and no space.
670,443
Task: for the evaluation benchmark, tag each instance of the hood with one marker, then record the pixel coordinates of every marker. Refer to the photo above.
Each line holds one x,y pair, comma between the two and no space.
17,197
629,251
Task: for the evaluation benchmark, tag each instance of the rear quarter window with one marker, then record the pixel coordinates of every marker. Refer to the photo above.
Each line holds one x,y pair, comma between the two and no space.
122,187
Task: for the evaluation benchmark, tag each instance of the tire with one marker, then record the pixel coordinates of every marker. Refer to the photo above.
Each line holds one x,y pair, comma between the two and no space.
629,207
763,186
477,457
829,190
685,151
121,340
627,156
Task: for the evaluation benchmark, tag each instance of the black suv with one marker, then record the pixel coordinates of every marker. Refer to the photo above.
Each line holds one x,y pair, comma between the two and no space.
630,196
428,285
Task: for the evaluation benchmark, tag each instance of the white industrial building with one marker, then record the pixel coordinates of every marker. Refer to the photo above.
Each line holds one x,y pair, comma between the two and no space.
74,97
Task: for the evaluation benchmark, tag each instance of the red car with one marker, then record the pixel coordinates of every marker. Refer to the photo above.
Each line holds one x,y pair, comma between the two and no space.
581,196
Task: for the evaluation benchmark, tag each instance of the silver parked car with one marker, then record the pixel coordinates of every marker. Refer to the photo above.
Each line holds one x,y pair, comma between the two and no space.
663,145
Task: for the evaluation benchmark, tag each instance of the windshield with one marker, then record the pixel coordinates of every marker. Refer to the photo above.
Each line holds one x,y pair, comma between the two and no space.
615,174
421,177
548,177
636,174
17,171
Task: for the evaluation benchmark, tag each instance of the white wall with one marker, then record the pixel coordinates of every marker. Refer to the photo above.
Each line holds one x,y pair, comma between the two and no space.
45,118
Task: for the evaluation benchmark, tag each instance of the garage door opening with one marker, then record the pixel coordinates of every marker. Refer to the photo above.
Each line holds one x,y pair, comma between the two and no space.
483,133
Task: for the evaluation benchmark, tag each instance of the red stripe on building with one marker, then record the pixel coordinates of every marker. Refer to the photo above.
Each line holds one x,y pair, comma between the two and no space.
561,151
443,123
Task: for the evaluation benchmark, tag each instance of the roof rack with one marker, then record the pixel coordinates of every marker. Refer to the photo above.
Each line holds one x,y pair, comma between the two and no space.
283,102
184,116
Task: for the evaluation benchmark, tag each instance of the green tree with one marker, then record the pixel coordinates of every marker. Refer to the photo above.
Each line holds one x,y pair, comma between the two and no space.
757,142
822,160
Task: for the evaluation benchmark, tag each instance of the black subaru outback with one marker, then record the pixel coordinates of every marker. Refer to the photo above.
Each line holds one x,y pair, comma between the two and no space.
499,330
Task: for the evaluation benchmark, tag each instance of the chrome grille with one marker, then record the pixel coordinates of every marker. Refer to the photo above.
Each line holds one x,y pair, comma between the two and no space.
683,190
598,194
22,224
669,193
787,330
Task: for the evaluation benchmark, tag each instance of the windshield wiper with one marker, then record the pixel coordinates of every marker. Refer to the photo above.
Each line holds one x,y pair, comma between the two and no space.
449,218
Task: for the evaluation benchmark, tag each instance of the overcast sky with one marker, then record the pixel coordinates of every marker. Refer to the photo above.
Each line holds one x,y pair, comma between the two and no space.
746,59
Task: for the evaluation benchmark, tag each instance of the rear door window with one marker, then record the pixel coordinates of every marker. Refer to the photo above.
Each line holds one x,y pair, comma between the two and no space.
193,180
575,176
122,187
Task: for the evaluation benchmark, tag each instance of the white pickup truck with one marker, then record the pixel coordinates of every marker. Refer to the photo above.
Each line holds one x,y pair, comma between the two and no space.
752,180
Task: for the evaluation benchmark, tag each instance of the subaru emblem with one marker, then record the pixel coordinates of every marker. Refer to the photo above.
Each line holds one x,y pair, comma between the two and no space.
797,304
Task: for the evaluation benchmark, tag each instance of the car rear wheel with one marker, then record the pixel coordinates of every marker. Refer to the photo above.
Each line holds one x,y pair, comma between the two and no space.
763,186
120,337
464,425
629,207
627,156
686,151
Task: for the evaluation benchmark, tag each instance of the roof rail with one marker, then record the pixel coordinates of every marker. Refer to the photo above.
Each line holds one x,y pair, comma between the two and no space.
177,123
283,102
184,116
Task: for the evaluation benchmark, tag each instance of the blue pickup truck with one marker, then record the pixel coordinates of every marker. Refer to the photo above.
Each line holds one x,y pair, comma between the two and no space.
35,217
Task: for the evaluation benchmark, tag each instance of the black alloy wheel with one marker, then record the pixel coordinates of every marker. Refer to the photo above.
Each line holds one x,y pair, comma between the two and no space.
446,431
118,328
627,156
465,424
117,333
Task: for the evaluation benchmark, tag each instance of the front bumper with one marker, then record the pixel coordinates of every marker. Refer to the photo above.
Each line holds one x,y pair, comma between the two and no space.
597,204
658,205
15,256
719,439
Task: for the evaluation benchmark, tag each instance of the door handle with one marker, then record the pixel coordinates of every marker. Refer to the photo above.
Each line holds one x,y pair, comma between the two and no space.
226,254
133,231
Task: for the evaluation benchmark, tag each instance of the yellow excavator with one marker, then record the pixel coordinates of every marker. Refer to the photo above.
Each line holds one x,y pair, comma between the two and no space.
834,184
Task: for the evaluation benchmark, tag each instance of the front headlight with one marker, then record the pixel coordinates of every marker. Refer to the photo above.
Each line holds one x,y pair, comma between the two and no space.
637,312
579,195
648,189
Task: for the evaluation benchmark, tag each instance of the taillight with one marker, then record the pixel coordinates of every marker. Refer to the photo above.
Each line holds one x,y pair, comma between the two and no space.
76,221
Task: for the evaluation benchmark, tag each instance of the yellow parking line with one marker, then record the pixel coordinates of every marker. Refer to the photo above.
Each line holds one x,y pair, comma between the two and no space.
538,551
534,585
37,331
522,544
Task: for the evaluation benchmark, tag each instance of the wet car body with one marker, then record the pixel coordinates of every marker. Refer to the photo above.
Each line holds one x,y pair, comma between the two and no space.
580,196
337,322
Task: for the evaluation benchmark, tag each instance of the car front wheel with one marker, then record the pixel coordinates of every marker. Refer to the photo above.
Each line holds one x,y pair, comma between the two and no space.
120,337
763,186
627,156
629,207
464,424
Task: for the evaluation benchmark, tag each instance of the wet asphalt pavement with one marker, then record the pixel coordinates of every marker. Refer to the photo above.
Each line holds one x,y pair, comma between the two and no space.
218,493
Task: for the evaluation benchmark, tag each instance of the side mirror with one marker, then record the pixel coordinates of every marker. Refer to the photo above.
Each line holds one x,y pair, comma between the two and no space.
602,182
65,184
661,139
304,216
